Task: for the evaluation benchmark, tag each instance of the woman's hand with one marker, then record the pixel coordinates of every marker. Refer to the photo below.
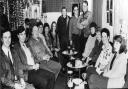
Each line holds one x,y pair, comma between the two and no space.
46,57
18,86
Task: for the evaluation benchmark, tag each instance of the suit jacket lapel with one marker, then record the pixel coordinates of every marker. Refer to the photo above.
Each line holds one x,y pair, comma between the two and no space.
8,67
22,54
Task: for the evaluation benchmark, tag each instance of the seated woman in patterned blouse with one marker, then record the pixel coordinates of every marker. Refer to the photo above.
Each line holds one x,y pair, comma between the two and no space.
105,56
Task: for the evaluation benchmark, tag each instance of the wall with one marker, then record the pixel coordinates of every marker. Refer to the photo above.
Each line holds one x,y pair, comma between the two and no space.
97,12
53,16
120,24
121,16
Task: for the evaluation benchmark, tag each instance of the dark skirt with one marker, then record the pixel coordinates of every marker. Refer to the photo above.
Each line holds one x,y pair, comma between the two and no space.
97,82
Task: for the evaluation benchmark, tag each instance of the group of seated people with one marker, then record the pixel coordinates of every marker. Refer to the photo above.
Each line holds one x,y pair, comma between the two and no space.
106,62
28,63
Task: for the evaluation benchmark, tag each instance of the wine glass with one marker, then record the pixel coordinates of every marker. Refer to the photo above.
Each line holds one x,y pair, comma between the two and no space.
84,76
70,82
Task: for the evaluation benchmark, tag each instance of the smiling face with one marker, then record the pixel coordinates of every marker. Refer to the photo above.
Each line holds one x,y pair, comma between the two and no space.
85,7
35,32
105,38
75,11
40,29
64,12
54,26
22,37
116,46
46,30
98,36
93,30
6,39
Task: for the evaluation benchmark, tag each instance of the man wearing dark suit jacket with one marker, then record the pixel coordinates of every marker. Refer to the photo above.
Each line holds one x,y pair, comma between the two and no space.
63,29
9,70
40,78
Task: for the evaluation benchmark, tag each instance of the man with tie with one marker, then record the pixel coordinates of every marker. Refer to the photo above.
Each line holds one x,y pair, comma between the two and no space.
9,70
40,78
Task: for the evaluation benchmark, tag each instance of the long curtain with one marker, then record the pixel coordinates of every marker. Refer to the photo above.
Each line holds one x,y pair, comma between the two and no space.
97,11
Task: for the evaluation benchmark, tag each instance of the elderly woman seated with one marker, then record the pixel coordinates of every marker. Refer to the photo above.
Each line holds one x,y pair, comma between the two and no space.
114,77
42,53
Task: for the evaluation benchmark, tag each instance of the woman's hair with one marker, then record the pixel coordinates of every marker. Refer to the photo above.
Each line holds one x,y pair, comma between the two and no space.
93,24
27,21
105,30
122,41
3,31
20,29
86,2
63,8
52,25
73,7
45,25
39,23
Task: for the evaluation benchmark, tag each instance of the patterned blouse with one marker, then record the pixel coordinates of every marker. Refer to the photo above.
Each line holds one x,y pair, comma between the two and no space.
104,58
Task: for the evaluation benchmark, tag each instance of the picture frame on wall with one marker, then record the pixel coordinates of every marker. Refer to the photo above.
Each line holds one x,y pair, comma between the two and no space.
109,11
107,6
111,19
111,4
108,17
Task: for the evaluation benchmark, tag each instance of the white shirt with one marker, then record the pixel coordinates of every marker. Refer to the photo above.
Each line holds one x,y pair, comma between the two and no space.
30,60
117,73
6,50
89,45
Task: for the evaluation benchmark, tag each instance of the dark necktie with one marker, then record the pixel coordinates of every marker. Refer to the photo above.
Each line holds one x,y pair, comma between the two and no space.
10,62
113,60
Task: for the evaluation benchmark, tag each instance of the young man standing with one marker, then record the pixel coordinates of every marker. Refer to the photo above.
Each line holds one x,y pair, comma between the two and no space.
62,29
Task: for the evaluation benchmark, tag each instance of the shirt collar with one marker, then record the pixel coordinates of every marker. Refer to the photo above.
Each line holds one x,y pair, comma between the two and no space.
5,50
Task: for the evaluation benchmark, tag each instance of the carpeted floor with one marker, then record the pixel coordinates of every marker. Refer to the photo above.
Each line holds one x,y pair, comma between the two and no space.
61,82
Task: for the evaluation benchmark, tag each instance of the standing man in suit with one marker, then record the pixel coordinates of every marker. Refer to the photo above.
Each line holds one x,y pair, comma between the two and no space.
40,78
63,29
9,70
